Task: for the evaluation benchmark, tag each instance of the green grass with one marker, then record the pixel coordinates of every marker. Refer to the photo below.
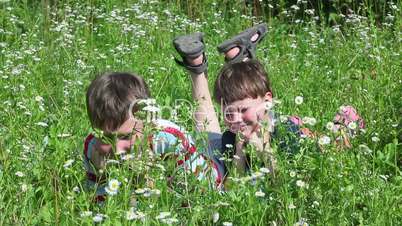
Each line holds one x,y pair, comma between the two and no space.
49,56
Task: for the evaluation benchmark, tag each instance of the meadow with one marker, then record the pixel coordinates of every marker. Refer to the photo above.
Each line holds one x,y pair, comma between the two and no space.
51,52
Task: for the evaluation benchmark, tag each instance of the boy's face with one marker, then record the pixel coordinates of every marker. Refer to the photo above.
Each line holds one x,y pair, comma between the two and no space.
124,136
245,116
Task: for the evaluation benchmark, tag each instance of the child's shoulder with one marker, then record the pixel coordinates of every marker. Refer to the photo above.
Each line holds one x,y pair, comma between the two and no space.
163,123
168,135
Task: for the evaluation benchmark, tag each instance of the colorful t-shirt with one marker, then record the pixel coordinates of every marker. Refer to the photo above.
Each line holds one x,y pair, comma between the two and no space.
169,138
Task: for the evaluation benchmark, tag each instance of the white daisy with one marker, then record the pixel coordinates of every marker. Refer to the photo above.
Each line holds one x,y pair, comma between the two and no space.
19,174
330,126
86,213
113,187
215,217
265,170
68,163
98,218
298,100
163,215
352,125
260,194
375,139
324,140
300,183
291,206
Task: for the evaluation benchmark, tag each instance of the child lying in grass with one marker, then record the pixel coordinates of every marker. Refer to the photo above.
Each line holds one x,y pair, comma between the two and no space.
113,105
243,90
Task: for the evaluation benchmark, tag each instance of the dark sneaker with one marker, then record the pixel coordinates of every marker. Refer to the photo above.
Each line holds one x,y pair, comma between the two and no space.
191,46
243,41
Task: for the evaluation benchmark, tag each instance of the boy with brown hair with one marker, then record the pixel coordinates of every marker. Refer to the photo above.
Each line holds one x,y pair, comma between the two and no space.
243,90
114,107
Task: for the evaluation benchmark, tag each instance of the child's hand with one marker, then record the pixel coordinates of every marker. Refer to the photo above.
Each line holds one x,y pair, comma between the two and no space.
256,140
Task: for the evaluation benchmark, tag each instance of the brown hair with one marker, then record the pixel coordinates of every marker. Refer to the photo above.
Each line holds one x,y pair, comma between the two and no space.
109,97
237,81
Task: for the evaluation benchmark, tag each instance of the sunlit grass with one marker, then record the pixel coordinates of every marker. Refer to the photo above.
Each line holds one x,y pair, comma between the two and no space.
49,56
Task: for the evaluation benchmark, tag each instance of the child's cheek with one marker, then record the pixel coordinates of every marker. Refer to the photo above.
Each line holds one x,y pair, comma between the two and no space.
123,145
105,148
250,116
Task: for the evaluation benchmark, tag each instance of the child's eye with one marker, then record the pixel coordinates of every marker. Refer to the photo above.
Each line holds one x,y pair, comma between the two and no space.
244,110
124,137
229,116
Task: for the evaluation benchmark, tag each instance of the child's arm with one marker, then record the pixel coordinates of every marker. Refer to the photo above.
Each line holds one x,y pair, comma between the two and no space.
98,156
263,149
240,159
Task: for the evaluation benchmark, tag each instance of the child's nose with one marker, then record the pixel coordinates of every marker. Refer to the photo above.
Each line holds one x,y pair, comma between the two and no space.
237,117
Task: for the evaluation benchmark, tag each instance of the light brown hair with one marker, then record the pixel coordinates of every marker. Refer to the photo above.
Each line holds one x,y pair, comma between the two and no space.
110,96
237,81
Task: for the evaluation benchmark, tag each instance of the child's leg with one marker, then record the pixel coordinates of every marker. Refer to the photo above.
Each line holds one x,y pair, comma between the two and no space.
205,115
243,46
191,48
347,122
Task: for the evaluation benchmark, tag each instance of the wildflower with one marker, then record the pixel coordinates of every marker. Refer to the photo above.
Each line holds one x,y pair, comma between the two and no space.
227,223
330,126
68,163
256,175
229,145
86,213
301,222
156,192
324,140
163,215
43,124
221,204
384,177
134,215
291,206
264,170
292,173
260,194
39,99
147,193
112,161
299,100
170,221
316,203
139,191
19,174
113,187
215,217
98,218
63,135
365,149
310,121
283,118
352,126
300,183
375,139
76,189
24,187
127,157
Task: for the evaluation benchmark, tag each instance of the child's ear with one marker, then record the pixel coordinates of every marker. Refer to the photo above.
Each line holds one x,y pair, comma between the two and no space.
268,96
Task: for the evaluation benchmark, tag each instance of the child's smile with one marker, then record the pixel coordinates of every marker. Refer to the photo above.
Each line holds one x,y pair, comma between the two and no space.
244,116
